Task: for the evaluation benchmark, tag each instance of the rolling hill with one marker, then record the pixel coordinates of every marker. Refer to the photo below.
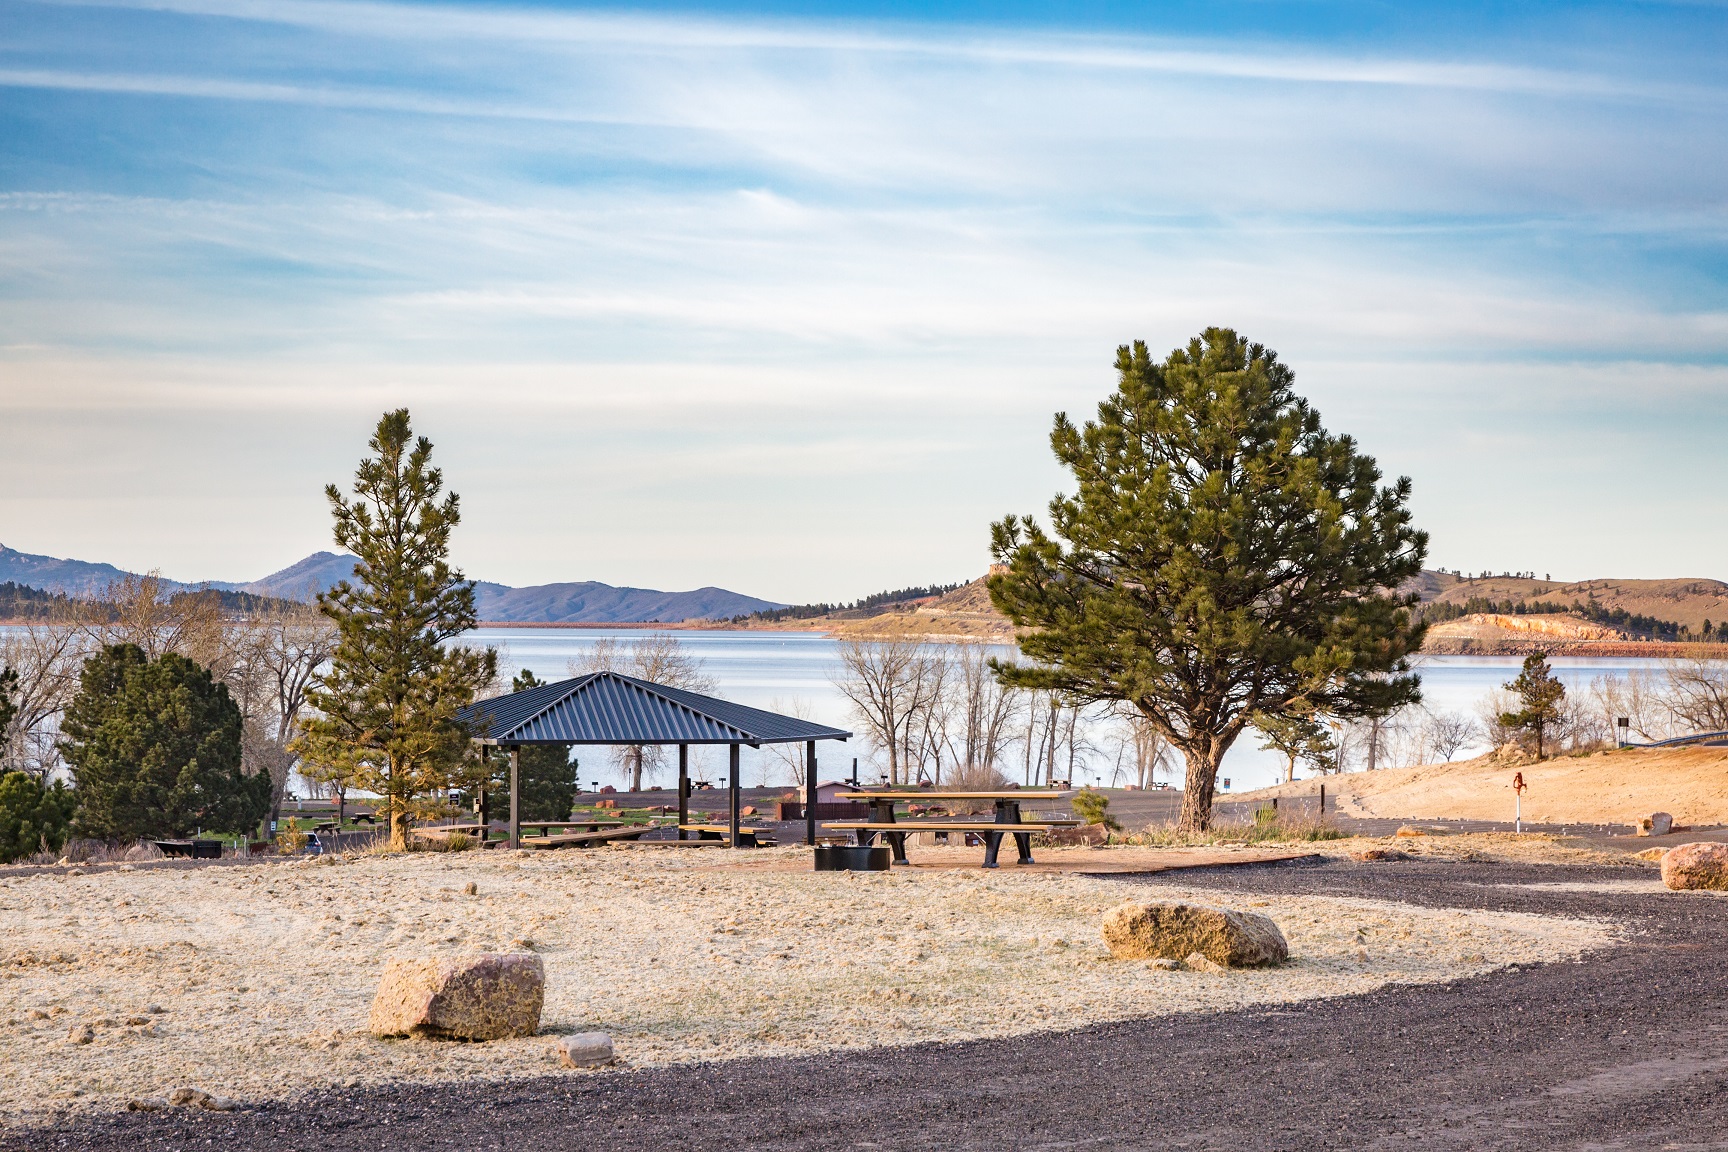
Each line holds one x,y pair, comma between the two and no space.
583,602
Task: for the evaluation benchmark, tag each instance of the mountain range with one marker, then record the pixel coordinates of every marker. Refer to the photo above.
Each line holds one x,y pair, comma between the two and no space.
580,602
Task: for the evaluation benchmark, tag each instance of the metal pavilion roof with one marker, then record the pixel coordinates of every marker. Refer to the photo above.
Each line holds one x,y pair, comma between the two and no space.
607,708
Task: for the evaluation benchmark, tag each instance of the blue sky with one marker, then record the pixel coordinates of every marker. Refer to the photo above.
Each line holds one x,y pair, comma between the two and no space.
783,297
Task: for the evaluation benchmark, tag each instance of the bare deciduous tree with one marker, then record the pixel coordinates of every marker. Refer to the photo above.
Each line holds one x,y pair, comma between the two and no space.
988,707
47,657
890,684
1697,694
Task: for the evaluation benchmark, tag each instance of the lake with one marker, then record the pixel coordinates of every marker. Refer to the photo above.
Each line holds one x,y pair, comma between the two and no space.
786,670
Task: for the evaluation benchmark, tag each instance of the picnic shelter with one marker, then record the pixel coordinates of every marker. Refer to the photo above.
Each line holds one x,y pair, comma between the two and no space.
609,708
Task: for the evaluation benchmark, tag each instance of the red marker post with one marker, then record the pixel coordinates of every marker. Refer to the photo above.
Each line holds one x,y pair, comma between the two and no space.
1518,787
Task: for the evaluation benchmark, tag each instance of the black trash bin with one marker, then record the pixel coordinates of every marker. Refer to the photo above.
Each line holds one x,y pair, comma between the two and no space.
853,858
206,849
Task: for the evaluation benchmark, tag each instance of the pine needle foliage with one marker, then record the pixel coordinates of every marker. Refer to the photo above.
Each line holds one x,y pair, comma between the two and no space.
154,746
387,709
1539,695
1224,557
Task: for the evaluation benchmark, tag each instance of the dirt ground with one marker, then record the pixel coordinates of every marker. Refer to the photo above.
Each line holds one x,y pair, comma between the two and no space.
253,982
1616,787
1621,1048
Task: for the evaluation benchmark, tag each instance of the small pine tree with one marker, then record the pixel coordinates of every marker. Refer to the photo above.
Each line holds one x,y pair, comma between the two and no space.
1298,736
33,815
154,747
387,708
1540,694
1093,807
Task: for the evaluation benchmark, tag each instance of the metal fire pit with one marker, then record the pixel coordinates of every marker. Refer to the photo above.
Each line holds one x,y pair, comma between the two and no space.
852,858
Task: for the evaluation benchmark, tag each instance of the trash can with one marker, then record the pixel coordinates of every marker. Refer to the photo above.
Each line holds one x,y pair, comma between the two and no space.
853,858
206,849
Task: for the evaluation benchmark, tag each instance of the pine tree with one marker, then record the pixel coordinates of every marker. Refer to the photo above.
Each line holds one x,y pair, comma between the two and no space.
1298,736
387,709
154,747
1224,557
1540,694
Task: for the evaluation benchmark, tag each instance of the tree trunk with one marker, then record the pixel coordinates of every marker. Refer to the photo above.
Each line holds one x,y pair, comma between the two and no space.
635,758
1198,787
1290,771
398,825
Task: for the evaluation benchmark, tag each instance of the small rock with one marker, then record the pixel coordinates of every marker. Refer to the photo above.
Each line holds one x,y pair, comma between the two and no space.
480,997
585,1050
1696,866
1655,824
74,871
747,810
1200,962
135,1021
1650,854
1361,955
1409,830
1165,964
38,1014
1368,854
1177,930
81,1034
147,1104
471,889
155,1009
186,1097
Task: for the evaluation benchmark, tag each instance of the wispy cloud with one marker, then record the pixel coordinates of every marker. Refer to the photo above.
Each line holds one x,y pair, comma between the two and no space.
653,246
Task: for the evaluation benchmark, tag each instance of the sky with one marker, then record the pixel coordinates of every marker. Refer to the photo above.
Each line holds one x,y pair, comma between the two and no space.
783,297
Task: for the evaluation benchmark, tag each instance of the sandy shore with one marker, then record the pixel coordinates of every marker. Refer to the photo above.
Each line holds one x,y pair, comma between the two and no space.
254,982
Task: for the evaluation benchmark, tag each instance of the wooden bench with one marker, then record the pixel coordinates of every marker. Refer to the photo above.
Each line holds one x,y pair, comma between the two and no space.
747,837
895,832
588,839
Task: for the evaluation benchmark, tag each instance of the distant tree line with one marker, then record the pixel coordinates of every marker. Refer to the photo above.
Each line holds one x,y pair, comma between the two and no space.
868,604
1650,627
19,602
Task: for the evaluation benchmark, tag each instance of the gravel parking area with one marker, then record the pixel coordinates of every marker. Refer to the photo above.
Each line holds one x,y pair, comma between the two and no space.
1623,1048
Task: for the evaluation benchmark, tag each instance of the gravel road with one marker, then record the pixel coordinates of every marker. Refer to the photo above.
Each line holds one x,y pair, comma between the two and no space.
1626,1049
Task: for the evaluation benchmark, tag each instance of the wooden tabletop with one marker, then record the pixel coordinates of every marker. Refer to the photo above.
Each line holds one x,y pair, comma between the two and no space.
1014,794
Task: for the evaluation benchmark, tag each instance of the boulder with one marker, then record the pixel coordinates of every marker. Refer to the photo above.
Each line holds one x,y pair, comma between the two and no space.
477,997
1655,824
1367,854
1409,830
585,1050
1696,866
1176,931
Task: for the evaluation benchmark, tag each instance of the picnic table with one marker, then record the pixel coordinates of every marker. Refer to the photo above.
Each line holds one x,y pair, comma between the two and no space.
1008,820
747,837
582,827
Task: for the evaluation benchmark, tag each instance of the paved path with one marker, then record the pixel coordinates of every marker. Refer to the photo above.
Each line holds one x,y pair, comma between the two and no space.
1627,1049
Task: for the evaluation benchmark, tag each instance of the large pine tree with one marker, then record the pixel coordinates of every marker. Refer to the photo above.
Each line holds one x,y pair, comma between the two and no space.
387,709
1224,557
154,747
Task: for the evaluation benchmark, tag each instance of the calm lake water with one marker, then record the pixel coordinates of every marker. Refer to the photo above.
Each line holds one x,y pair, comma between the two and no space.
787,671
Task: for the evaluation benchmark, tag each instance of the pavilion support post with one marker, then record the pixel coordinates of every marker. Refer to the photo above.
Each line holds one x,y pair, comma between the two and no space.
733,781
683,789
515,796
810,793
